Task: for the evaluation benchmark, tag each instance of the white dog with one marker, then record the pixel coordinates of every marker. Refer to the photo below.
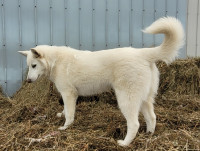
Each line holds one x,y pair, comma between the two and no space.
131,73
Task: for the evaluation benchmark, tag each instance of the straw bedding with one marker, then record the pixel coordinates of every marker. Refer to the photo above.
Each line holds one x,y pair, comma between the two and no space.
29,122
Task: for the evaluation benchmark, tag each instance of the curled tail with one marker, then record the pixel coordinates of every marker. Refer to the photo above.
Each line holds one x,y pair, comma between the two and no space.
174,39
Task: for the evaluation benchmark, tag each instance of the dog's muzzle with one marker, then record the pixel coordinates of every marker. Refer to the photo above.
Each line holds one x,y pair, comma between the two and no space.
29,80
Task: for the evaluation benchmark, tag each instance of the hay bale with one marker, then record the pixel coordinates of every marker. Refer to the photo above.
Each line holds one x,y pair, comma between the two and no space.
32,123
4,101
32,99
182,77
1,93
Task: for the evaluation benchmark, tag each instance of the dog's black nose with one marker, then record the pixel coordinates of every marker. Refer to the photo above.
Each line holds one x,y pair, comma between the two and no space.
29,80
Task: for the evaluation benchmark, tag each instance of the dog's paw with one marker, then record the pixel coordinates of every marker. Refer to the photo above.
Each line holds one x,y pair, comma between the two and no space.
62,128
150,131
59,114
122,143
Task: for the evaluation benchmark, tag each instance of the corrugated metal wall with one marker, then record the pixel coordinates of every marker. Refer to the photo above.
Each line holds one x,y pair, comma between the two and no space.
193,28
81,24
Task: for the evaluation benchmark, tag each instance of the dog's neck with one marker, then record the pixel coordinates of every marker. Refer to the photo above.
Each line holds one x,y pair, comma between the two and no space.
53,61
50,67
50,70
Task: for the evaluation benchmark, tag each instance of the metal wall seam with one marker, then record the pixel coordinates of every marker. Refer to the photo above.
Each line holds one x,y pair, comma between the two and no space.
165,8
197,28
198,32
176,8
143,22
4,44
93,24
131,24
65,18
20,23
36,23
119,24
20,36
185,54
79,18
106,25
186,34
51,22
154,18
3,23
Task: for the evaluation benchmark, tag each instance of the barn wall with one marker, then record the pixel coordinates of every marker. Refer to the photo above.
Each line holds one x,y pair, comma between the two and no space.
193,28
81,24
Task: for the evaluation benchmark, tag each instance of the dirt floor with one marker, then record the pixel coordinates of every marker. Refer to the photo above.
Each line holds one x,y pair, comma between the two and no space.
29,122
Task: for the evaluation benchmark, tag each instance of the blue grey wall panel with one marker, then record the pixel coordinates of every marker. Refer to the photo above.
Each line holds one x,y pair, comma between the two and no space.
137,19
28,24
99,26
43,22
73,19
86,25
171,7
124,18
58,23
148,18
28,30
160,11
2,58
112,24
14,75
80,24
181,15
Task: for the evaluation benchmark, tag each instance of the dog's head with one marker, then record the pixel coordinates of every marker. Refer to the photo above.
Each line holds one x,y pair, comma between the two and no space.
36,63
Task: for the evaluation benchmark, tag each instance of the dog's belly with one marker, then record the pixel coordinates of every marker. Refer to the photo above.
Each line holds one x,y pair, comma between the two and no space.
92,88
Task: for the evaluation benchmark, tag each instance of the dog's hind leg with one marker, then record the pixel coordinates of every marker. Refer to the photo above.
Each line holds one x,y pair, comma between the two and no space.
130,107
147,110
69,108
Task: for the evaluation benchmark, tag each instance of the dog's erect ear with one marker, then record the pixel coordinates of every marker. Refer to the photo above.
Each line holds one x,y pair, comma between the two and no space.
25,53
36,53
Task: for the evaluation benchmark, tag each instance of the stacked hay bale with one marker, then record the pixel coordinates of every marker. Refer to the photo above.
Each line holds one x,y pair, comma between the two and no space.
30,121
4,101
1,94
181,77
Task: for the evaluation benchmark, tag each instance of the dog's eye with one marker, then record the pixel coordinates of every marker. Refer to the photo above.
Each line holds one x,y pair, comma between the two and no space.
33,65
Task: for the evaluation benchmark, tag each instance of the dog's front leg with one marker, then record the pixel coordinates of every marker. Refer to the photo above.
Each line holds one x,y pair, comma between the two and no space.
69,100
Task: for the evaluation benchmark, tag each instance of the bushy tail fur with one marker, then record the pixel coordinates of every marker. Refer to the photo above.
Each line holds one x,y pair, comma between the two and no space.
174,39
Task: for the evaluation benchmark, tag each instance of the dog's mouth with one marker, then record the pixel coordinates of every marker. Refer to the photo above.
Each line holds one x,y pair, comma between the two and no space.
30,80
